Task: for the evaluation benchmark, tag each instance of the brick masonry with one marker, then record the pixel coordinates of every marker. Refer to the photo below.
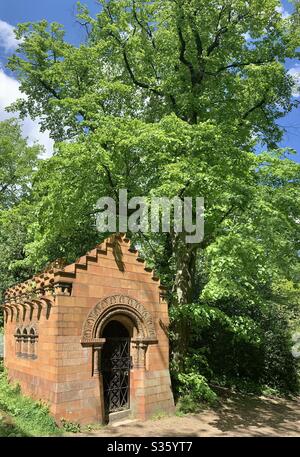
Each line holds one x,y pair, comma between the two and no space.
53,326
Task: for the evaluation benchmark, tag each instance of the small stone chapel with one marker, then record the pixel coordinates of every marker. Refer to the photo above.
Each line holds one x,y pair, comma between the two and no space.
91,338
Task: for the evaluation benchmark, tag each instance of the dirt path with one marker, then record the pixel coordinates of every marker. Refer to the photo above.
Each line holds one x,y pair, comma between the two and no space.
236,416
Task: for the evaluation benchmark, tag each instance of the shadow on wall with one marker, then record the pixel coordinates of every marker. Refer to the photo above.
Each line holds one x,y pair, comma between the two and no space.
117,253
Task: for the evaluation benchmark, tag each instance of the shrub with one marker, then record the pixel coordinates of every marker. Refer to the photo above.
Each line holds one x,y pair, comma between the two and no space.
194,391
69,426
242,346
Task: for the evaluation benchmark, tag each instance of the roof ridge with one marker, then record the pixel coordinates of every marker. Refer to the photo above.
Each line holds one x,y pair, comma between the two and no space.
53,275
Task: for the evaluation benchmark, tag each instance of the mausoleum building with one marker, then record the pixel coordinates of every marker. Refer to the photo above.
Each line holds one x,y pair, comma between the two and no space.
91,338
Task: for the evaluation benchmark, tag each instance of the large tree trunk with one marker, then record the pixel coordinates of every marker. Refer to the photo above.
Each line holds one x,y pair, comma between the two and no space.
185,265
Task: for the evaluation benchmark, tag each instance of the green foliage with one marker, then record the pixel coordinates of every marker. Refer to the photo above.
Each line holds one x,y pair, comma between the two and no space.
180,57
158,415
176,93
205,316
238,346
92,427
171,99
18,161
31,418
18,164
279,366
68,426
194,389
14,235
270,392
260,247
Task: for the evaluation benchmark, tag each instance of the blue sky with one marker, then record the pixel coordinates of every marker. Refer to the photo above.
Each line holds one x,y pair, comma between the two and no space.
13,12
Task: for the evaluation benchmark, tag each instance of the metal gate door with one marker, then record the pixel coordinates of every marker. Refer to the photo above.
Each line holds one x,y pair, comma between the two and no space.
116,374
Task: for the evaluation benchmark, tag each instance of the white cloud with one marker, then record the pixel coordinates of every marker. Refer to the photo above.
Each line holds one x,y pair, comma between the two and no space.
295,73
8,40
9,92
284,13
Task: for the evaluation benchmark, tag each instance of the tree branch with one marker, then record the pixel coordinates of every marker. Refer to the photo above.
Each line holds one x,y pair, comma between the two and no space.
211,238
140,23
4,187
135,80
110,179
258,105
198,41
85,25
138,83
237,65
216,41
221,31
182,57
47,86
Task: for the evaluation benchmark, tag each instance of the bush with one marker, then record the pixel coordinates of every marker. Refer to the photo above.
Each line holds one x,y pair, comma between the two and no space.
240,346
194,391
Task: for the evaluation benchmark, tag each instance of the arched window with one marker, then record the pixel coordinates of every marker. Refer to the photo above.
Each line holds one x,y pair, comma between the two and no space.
25,341
33,342
18,345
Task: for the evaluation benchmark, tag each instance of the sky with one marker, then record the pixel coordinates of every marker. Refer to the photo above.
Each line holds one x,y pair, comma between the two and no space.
13,12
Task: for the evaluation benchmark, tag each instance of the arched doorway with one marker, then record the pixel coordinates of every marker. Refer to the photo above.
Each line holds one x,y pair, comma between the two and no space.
115,367
119,330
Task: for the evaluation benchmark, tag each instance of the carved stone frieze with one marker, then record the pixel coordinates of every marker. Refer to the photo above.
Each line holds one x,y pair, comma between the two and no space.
118,304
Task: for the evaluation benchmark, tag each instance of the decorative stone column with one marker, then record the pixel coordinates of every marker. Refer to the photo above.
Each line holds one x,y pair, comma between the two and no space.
63,288
138,394
97,346
24,345
33,345
18,349
139,355
97,360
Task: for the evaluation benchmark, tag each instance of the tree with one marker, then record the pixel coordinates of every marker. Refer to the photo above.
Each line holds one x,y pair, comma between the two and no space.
18,162
170,97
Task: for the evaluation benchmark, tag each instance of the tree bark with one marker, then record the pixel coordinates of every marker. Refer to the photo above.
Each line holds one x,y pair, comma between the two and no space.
185,265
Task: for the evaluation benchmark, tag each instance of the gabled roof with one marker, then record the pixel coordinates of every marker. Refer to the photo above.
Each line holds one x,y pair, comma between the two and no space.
61,278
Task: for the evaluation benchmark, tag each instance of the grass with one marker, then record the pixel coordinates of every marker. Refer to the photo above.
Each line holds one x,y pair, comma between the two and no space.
22,416
93,427
8,428
159,415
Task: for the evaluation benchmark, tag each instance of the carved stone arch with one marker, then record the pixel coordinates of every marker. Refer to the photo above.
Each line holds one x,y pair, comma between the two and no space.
114,311
18,329
18,340
33,327
5,314
114,305
9,312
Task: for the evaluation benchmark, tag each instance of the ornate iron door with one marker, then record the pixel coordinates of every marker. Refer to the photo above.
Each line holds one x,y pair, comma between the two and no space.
116,374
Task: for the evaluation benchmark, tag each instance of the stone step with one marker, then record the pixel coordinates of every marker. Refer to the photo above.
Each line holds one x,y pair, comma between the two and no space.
123,422
119,416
